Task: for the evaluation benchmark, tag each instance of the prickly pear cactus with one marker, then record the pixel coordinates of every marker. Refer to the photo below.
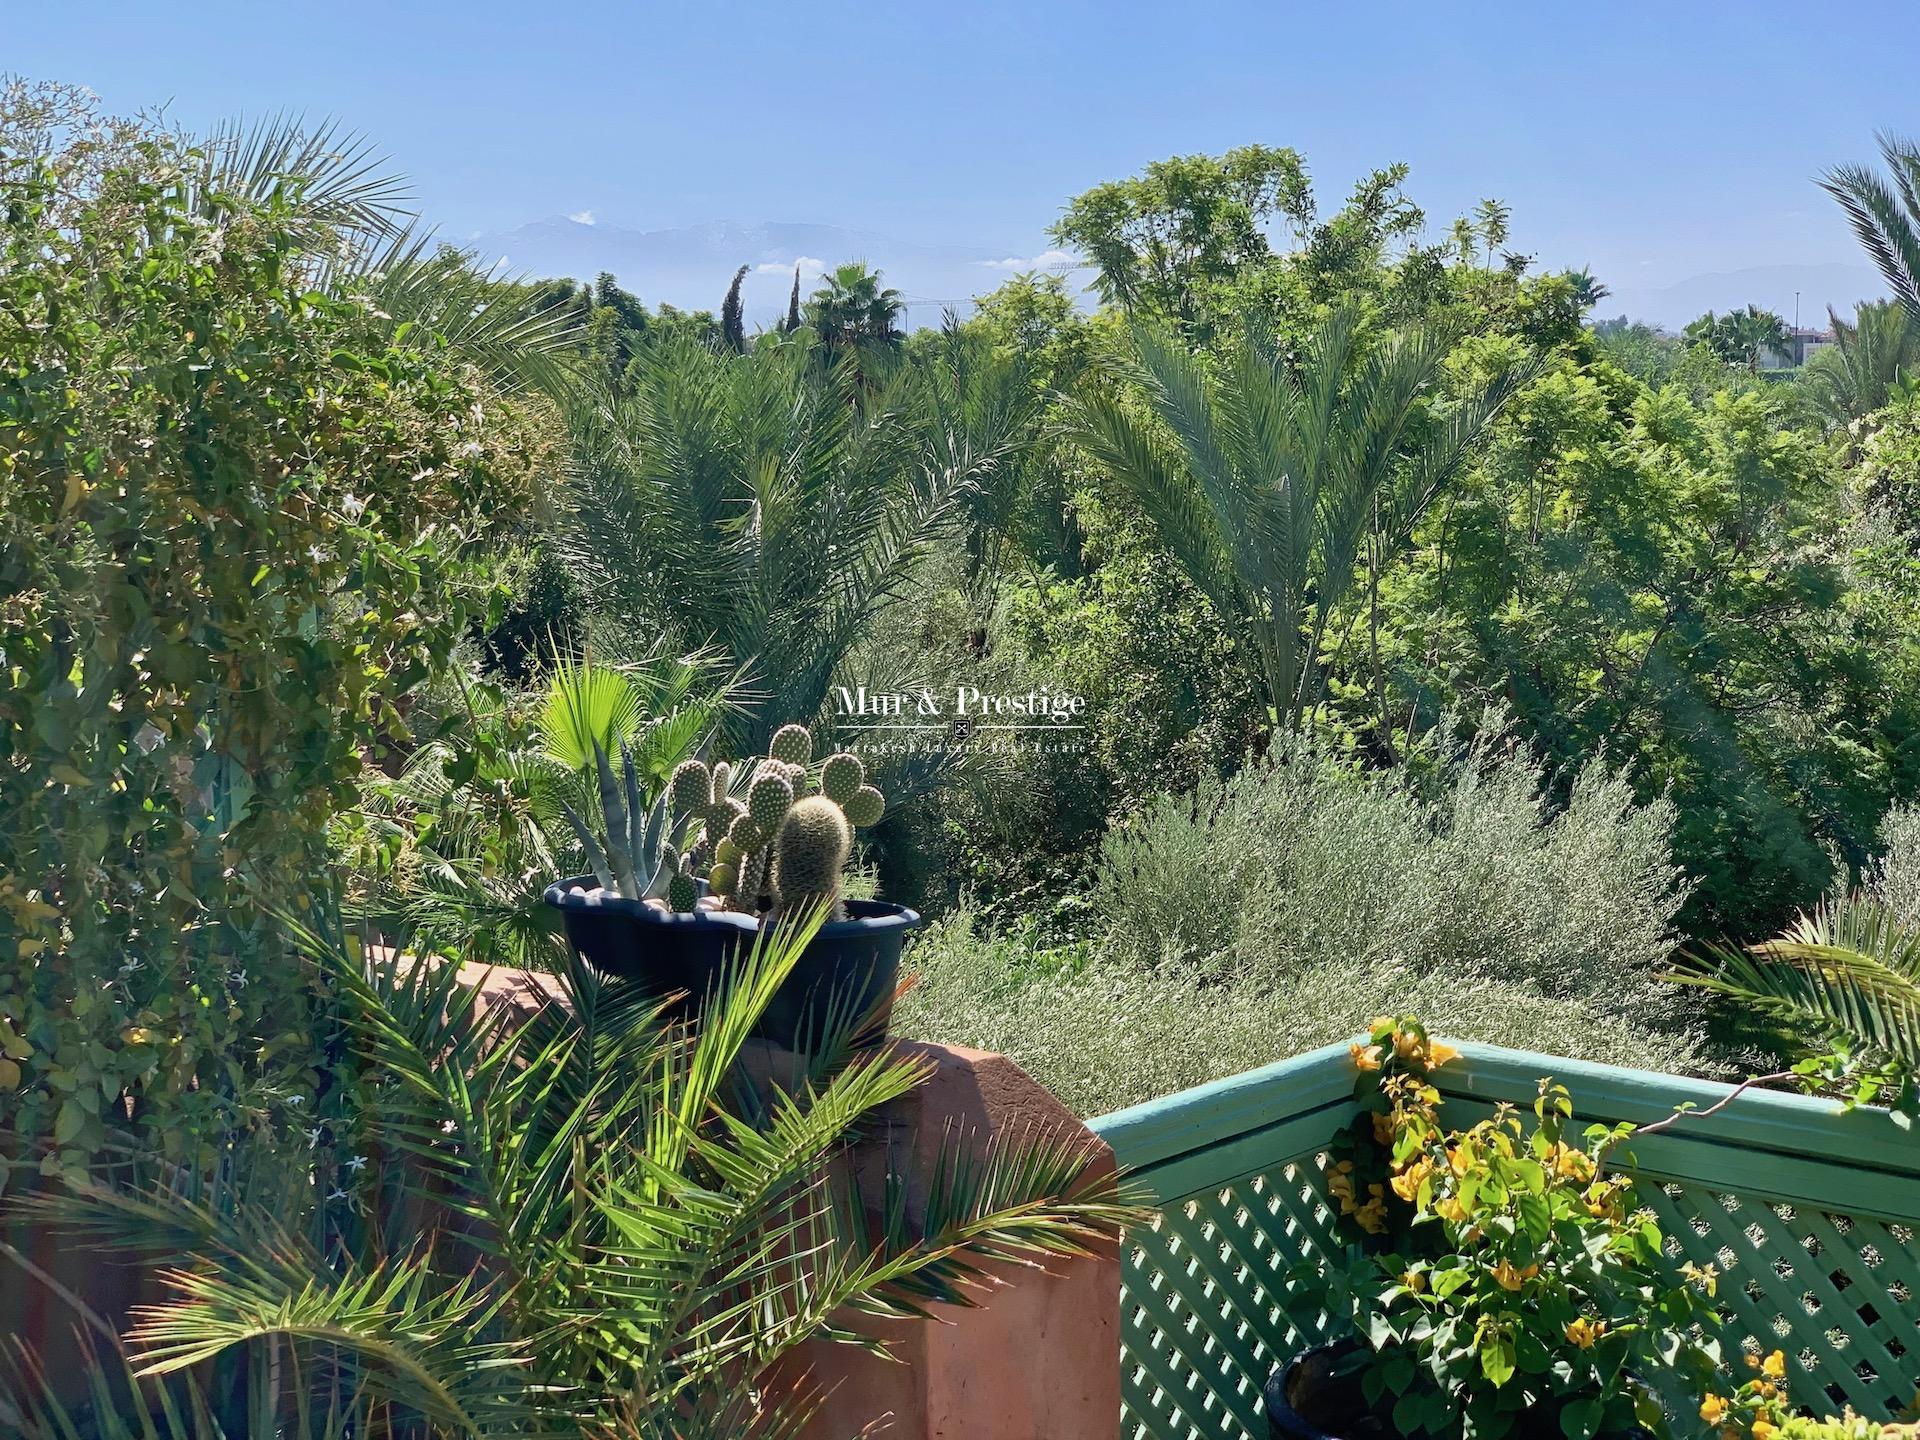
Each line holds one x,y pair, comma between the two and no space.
682,893
792,744
841,777
768,800
866,807
692,788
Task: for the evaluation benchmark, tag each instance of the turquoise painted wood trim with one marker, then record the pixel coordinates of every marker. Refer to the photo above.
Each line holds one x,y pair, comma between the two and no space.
1212,1114
1772,1120
1766,1143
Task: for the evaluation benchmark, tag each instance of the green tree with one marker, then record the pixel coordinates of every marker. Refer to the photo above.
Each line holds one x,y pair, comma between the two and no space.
1628,571
1160,239
852,310
243,515
1278,482
733,323
1741,338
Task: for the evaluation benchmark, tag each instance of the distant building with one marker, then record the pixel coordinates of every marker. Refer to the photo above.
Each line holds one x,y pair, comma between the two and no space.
1802,343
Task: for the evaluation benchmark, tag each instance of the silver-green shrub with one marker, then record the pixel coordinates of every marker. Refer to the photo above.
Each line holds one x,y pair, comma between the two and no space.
1103,1033
1300,862
1894,879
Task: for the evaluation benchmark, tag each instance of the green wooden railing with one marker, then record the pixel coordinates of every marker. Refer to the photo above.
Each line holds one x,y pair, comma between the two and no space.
1809,1212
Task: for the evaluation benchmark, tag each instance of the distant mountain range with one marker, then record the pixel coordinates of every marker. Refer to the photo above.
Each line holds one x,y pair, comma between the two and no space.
691,266
1771,287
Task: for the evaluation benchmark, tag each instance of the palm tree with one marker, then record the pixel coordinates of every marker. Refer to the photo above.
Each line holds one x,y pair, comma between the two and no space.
1886,217
362,242
1846,976
785,499
851,309
1587,291
1856,375
1267,482
587,1221
1741,337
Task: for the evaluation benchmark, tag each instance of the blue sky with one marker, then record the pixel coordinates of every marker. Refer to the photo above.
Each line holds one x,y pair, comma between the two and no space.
1649,141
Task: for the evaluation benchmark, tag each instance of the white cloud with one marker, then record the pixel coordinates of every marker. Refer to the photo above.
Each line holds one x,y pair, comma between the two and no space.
1045,260
581,217
805,264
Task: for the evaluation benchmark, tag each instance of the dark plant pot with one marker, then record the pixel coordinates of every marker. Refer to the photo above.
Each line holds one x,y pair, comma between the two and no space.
1317,1396
850,969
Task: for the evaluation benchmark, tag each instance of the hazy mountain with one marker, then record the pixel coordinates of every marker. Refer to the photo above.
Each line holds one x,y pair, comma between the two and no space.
1771,287
691,266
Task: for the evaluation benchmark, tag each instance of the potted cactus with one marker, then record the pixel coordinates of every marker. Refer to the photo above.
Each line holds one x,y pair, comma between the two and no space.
681,886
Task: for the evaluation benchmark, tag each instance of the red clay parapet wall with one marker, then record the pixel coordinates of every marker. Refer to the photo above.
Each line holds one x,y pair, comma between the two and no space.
1039,1357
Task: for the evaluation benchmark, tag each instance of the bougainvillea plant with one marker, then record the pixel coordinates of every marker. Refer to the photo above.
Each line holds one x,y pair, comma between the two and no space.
1760,1409
1501,1275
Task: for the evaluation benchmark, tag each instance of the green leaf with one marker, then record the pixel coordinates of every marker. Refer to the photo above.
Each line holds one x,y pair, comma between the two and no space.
1496,1359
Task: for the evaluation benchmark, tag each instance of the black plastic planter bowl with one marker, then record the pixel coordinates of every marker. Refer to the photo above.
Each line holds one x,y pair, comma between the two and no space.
1323,1383
850,969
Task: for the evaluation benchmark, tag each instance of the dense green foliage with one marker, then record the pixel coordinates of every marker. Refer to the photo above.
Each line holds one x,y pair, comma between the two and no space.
1279,910
238,524
1429,651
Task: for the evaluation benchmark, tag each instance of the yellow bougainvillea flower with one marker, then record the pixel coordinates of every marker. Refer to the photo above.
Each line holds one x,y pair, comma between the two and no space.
1414,1280
1763,1428
1407,1183
1705,1276
1712,1408
1509,1278
1774,1367
1583,1332
1366,1057
1382,1129
1439,1053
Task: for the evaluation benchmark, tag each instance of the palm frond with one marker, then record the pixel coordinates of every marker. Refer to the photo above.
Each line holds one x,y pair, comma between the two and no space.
1847,970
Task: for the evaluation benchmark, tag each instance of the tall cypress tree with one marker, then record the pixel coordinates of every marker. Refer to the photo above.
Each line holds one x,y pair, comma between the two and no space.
733,323
793,305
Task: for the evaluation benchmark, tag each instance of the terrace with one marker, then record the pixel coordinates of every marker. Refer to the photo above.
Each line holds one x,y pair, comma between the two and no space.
1809,1213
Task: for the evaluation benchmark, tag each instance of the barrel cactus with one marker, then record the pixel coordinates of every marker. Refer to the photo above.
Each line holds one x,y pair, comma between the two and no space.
809,855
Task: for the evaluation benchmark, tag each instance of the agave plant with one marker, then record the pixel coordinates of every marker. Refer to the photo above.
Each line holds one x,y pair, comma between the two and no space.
1846,977
479,828
586,1222
641,856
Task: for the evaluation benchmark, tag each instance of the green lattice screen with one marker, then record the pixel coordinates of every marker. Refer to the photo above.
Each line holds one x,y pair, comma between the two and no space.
1809,1214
